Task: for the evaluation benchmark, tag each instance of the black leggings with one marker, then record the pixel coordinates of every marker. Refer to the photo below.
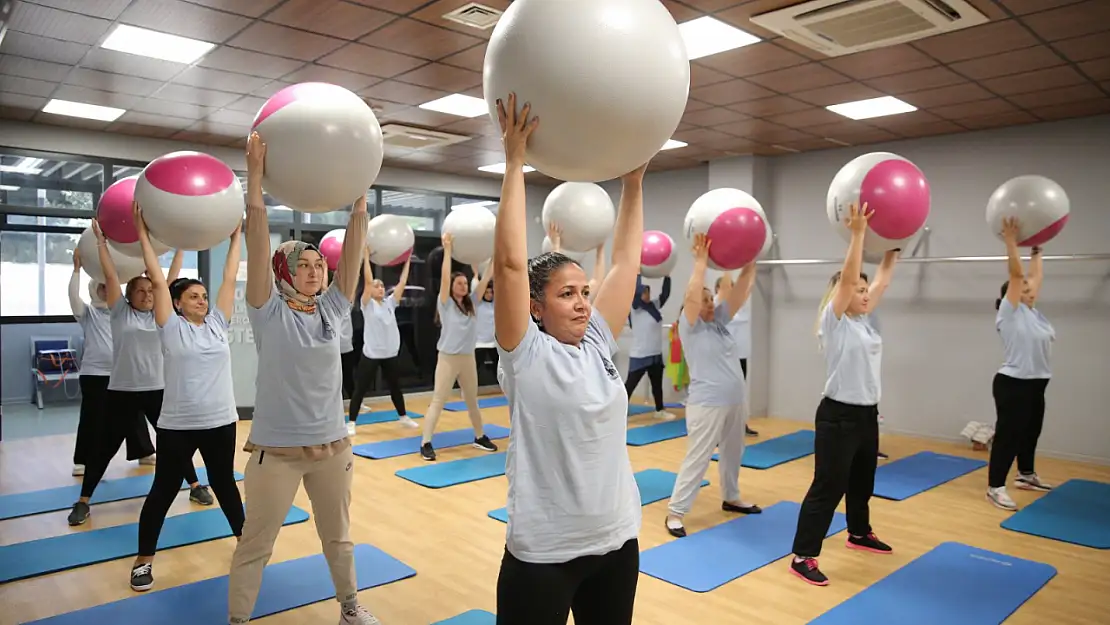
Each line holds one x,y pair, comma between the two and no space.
654,373
175,452
599,590
125,411
364,376
1019,406
486,358
94,394
349,361
846,451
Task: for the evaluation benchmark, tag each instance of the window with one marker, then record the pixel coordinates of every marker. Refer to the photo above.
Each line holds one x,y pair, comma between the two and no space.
424,211
45,183
340,217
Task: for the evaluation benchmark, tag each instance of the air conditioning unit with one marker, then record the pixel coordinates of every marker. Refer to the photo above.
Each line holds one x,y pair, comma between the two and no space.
839,27
413,138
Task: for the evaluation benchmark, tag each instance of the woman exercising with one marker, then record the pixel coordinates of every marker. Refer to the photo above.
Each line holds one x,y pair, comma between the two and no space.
1020,384
847,422
297,434
381,341
135,387
739,328
555,235
646,355
485,349
457,339
573,504
716,403
198,411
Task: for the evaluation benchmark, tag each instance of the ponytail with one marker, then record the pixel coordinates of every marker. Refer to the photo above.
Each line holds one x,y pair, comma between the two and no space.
1001,295
829,293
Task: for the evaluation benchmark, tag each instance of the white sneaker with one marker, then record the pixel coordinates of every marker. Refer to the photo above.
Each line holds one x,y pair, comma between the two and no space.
999,497
358,616
406,421
1031,482
150,460
663,415
78,470
352,428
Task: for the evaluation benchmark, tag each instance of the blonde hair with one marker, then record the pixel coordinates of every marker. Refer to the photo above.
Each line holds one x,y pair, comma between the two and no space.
830,292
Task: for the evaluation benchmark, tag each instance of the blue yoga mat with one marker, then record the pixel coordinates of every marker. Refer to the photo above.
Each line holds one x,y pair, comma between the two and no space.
62,498
673,405
779,450
473,617
920,472
70,551
637,409
285,586
442,440
953,584
383,416
1076,512
711,558
483,402
455,472
656,432
654,484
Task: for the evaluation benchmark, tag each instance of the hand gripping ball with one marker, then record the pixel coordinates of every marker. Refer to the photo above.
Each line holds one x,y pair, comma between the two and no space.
127,267
1040,205
893,188
115,214
657,255
331,247
734,223
324,146
190,200
584,213
608,79
390,238
471,229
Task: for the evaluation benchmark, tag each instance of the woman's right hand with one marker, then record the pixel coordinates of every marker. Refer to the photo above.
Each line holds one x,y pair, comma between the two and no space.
858,217
256,157
701,247
1011,228
140,223
447,240
555,235
516,128
97,232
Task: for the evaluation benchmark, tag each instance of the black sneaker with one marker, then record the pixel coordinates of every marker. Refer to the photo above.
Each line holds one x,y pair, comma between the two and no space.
142,577
79,514
484,443
750,432
730,507
201,495
808,571
870,543
883,456
427,453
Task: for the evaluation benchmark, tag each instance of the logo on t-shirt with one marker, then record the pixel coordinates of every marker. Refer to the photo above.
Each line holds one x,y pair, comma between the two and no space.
610,369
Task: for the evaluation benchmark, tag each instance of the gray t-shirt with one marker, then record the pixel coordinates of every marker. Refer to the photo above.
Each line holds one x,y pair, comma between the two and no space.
571,488
299,397
483,310
346,335
380,337
740,328
853,352
199,393
136,350
1026,341
458,332
716,378
96,327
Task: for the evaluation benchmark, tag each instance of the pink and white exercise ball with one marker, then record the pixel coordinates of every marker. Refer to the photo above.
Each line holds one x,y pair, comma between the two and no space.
608,79
323,146
127,267
1040,205
115,214
584,213
471,228
547,246
894,190
331,246
735,224
657,255
190,200
390,238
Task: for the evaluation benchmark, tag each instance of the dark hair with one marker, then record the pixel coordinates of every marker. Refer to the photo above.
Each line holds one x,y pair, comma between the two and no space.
540,269
466,305
179,286
131,285
1002,294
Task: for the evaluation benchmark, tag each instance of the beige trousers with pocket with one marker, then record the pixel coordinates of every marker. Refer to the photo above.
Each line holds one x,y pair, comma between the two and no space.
451,367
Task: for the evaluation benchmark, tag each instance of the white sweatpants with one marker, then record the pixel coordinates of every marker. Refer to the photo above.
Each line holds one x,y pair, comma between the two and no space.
709,428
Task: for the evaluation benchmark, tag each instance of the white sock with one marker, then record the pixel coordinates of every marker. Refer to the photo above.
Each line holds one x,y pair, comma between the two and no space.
674,522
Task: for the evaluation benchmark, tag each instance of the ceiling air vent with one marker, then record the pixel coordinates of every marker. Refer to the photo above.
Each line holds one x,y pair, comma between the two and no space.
839,27
475,15
413,138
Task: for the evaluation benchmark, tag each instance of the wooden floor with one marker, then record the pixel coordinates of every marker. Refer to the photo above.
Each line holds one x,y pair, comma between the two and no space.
446,536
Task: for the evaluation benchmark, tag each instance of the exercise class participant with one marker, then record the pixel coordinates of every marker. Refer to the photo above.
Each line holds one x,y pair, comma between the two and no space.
847,422
381,341
135,387
573,504
348,360
555,235
297,434
457,340
485,348
1019,386
646,355
198,410
740,329
95,369
716,402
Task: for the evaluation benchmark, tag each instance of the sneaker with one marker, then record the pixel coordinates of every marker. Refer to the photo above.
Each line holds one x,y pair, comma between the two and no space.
201,495
484,443
79,514
806,568
142,577
663,415
351,428
883,456
674,526
406,421
149,460
1030,481
999,497
742,508
870,542
78,470
750,432
427,452
358,616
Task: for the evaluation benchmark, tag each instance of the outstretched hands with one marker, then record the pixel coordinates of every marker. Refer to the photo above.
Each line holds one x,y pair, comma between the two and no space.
516,128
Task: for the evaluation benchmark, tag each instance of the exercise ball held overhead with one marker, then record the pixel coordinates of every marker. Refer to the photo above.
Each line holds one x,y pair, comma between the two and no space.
127,267
1040,205
190,200
390,238
331,247
895,192
471,229
115,213
657,255
608,79
324,146
584,213
735,224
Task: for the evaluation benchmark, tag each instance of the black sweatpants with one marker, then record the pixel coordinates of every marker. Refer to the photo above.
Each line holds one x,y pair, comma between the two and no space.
365,375
349,361
654,373
1019,406
486,359
599,590
94,396
846,450
175,452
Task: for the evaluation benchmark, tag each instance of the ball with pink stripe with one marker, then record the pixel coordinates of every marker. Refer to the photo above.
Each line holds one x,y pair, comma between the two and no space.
895,192
190,200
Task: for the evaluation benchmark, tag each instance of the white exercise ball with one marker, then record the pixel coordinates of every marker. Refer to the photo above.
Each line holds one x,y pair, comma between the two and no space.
390,238
324,146
893,189
658,254
471,229
547,247
127,267
1040,205
609,80
735,224
190,200
583,212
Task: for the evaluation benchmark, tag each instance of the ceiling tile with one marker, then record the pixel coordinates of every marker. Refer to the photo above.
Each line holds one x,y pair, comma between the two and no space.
1012,118
330,17
269,89
27,86
837,94
805,118
851,132
977,108
247,62
1074,109
182,110
19,106
696,105
402,93
46,22
420,39
69,122
701,75
1052,97
318,73
681,12
220,81
130,64
712,116
1073,20
356,57
767,107
710,6
882,62
247,104
928,129
421,117
751,128
806,51
140,130
1034,81
282,41
704,137
918,80
216,128
184,19
1077,49
969,43
740,16
1024,60
799,78
737,90
1098,69
194,95
32,68
434,12
1021,7
203,138
150,119
94,96
107,9
400,7
250,8
471,58
442,77
44,48
754,59
103,81
953,94
990,9
230,117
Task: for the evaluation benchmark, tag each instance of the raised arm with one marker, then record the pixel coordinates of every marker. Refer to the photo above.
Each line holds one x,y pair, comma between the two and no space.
882,277
637,301
175,266
512,299
483,282
665,292
399,290
1010,227
367,275
354,244
260,268
599,273
76,304
111,278
225,297
555,235
163,305
740,292
445,272
614,295
691,302
853,260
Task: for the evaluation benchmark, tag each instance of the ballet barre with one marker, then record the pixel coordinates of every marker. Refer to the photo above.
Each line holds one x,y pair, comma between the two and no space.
934,259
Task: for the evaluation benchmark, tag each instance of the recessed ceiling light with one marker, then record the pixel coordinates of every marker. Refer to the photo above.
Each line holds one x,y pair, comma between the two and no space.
874,107
707,35
458,104
8,187
673,144
500,168
156,45
83,110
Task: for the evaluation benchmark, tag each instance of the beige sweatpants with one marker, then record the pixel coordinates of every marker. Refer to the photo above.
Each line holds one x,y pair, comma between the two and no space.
709,428
451,367
271,481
